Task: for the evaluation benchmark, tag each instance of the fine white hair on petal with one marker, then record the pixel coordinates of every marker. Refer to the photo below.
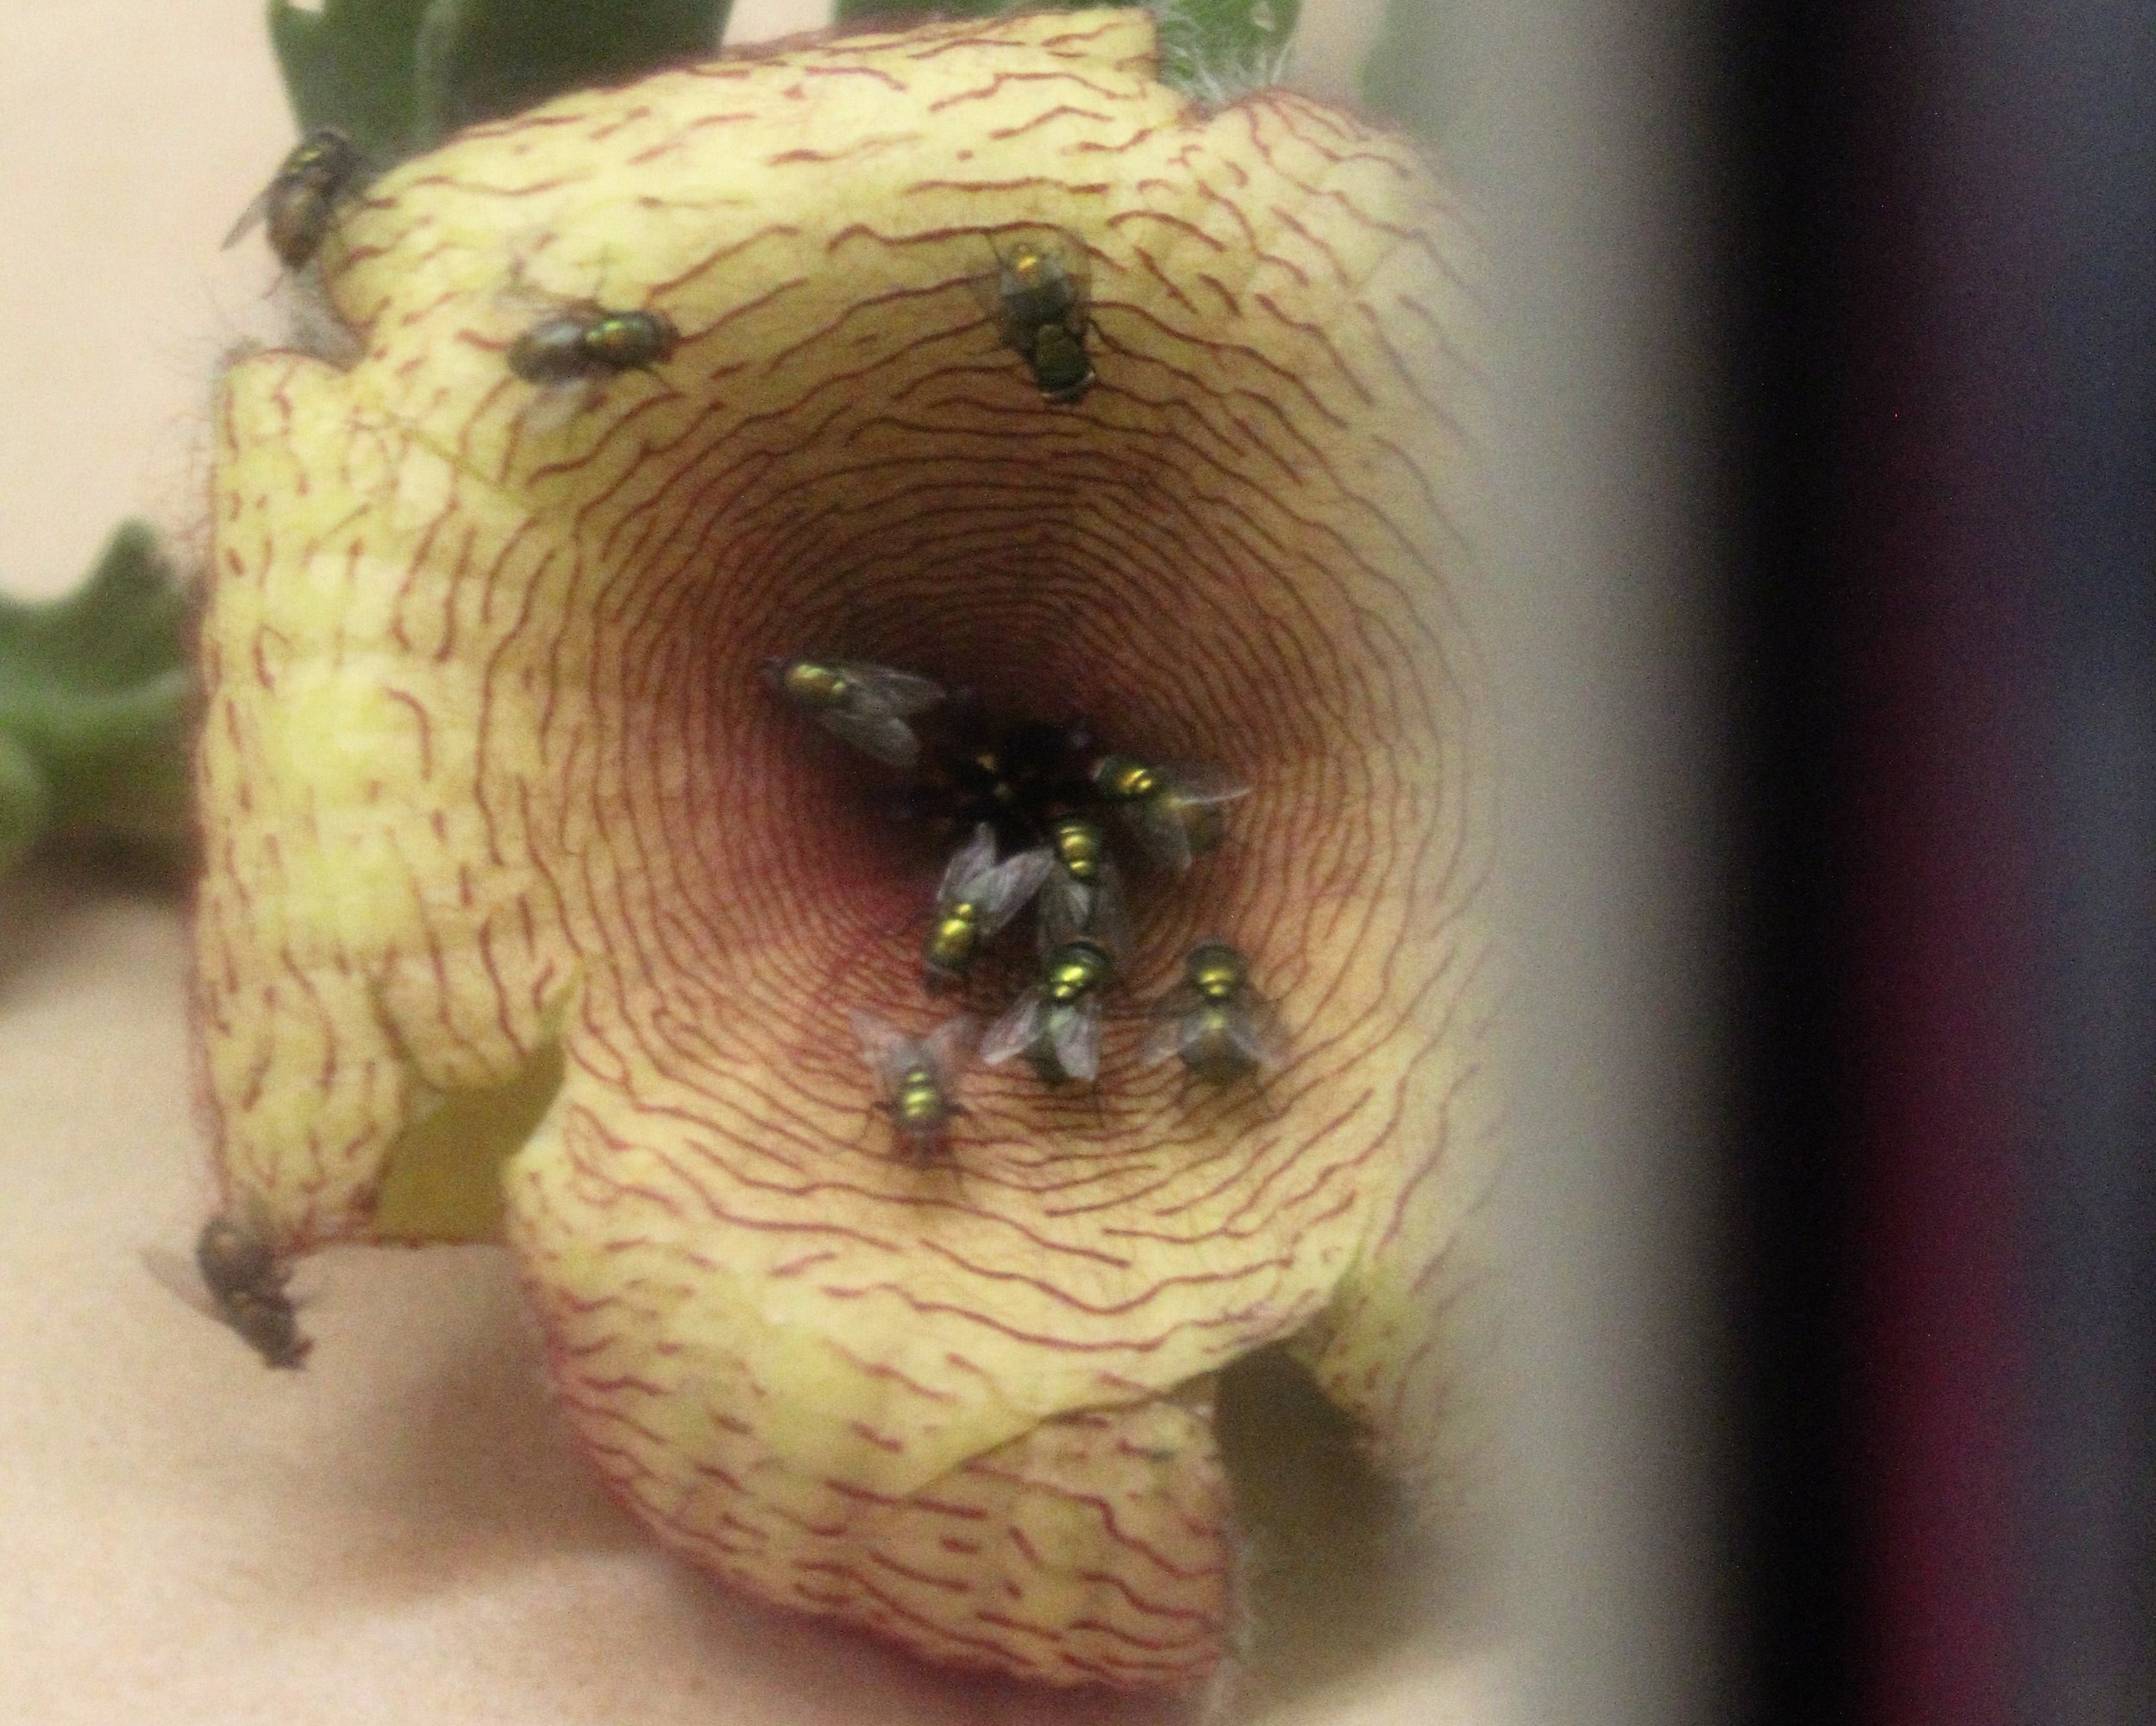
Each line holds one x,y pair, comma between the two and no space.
1227,75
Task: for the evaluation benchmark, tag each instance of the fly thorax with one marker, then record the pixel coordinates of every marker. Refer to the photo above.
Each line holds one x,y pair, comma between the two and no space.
814,686
1074,971
1124,780
950,943
1077,844
1215,970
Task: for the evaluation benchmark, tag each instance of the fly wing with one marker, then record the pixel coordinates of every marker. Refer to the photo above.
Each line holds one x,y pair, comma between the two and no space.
888,1051
1160,819
1197,781
553,406
1162,832
1258,1033
1110,916
985,285
1065,909
970,861
1076,1037
1009,885
1097,911
886,691
948,1047
1164,1036
1069,252
180,1276
884,736
1014,1033
252,217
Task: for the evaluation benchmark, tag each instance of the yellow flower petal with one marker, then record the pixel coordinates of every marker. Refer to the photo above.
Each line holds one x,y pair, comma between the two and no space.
490,782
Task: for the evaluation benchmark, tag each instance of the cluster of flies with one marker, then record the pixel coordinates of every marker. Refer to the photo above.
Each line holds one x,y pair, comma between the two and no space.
1035,293
1035,802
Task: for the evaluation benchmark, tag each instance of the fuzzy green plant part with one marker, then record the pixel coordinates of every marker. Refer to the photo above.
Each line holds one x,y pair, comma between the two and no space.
96,698
398,76
1216,50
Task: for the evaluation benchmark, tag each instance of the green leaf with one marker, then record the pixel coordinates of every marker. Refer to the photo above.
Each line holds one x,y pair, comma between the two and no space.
351,65
95,697
1217,49
401,75
860,12
480,60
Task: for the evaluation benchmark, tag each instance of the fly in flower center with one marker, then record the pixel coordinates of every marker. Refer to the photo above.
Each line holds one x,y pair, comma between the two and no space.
1027,807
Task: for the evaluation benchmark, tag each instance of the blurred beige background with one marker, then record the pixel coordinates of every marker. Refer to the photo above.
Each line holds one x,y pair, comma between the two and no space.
398,1532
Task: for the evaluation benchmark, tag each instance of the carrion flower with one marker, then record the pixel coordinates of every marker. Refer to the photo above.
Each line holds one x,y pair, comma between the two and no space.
530,914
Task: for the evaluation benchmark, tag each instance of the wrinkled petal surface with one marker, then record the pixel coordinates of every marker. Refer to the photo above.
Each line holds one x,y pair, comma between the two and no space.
493,790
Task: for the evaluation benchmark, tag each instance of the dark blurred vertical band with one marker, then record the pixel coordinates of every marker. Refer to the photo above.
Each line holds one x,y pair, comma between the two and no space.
2001,492
1833,670
1949,1320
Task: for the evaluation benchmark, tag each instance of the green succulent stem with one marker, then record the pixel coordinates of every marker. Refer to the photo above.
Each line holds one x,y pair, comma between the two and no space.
96,697
399,76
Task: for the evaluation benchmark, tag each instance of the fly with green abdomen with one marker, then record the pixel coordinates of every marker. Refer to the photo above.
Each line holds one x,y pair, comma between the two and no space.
866,706
584,343
1083,896
298,204
917,1077
1173,807
975,898
1213,1021
1056,1024
1037,295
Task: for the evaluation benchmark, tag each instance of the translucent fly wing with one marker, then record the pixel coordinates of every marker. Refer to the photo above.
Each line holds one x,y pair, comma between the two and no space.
1111,915
991,286
553,406
948,1047
1075,1035
1097,910
1197,782
1164,820
180,1276
1065,909
1161,830
888,1051
1016,1031
886,737
1070,256
967,864
1164,1036
1006,887
252,217
884,690
1257,1033
520,299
